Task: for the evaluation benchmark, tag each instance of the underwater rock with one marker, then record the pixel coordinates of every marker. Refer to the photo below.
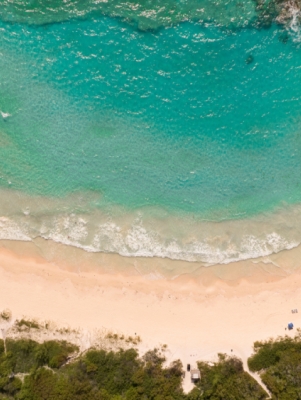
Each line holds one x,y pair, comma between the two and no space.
285,12
284,37
289,11
249,59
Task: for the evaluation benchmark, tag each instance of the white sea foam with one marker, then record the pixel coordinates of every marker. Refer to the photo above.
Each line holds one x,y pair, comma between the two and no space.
4,115
290,16
137,242
149,233
10,230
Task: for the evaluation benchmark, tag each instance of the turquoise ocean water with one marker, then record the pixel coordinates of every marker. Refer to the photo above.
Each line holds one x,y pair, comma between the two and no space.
171,132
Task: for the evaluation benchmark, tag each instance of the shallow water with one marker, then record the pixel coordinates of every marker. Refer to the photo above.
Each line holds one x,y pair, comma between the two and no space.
179,142
143,14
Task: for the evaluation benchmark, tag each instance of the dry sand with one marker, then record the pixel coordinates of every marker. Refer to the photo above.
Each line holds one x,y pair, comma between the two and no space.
197,315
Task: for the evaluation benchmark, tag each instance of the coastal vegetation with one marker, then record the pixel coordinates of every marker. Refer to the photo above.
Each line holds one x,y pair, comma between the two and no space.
34,371
23,358
279,365
226,379
57,369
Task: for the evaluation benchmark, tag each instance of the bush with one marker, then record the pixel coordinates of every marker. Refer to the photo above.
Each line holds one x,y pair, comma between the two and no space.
20,355
108,370
122,375
44,384
25,354
1,347
268,353
24,324
54,353
279,363
226,379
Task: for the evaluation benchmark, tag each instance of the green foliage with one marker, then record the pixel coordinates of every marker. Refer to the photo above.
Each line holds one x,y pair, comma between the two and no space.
41,384
20,355
24,324
226,379
54,353
279,363
109,370
101,375
25,354
268,353
9,384
44,384
155,382
1,347
123,374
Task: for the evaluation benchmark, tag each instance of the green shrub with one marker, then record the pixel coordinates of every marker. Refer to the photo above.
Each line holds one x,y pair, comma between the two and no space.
25,354
54,353
41,384
21,354
9,386
279,363
268,353
122,375
96,375
24,324
44,384
1,347
12,386
109,370
226,379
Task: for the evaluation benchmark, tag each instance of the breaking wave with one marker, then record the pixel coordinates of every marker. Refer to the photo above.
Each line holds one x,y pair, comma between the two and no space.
147,233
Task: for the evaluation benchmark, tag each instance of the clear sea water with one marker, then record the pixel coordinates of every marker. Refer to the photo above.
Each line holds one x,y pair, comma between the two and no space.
145,135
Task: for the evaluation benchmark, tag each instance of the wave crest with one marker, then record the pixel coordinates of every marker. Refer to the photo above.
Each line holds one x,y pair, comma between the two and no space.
148,232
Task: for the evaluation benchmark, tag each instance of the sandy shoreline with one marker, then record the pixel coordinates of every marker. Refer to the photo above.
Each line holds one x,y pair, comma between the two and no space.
196,316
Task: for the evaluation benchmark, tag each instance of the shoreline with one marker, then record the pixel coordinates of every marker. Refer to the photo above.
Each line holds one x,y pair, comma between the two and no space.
196,316
181,242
